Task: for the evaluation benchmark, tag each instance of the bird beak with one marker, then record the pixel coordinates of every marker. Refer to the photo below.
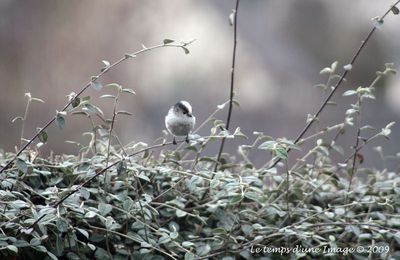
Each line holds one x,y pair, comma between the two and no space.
189,115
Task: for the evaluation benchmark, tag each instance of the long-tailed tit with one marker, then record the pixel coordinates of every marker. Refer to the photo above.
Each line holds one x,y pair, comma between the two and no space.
180,120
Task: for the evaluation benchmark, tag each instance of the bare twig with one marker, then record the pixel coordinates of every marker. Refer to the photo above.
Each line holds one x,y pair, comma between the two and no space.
107,178
111,128
228,120
24,119
353,164
274,161
231,92
93,80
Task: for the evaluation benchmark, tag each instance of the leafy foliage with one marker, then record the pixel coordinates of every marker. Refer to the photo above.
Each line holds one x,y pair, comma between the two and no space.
152,205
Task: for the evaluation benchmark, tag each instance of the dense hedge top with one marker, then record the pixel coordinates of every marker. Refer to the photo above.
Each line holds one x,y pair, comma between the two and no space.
151,208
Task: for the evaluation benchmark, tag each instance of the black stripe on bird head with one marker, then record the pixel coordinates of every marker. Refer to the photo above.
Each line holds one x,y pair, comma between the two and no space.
182,108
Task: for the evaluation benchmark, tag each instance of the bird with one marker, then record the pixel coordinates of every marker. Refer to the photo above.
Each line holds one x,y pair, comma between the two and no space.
179,120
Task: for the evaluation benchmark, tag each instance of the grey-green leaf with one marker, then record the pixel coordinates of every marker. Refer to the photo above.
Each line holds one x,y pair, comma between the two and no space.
395,10
21,165
60,121
123,112
186,50
17,118
43,136
128,90
167,41
104,209
96,85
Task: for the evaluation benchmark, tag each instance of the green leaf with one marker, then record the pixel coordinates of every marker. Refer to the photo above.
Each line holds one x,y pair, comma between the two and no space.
189,256
104,209
21,165
52,256
128,90
35,241
107,96
90,214
83,113
75,102
60,121
83,232
96,85
203,250
268,145
395,10
180,213
167,41
186,50
281,153
174,235
187,244
326,71
37,100
236,199
12,248
17,118
164,239
123,112
128,55
92,109
43,137
114,86
350,93
106,63
40,248
334,66
62,225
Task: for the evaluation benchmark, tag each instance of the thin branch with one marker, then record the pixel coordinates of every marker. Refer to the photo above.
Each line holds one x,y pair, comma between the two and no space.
228,120
111,128
93,79
24,120
274,161
107,178
353,165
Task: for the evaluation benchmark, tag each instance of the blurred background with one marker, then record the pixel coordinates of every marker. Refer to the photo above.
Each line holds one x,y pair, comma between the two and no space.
51,48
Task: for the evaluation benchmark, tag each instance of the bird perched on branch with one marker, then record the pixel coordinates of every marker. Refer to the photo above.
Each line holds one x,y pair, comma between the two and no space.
180,120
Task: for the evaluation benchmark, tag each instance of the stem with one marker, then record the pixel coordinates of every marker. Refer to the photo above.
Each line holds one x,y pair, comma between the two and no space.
353,165
115,135
231,93
94,146
112,127
94,78
228,120
338,84
107,177
23,121
287,190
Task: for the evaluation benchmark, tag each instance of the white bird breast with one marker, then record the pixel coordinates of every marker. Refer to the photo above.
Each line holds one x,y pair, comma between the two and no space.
179,125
